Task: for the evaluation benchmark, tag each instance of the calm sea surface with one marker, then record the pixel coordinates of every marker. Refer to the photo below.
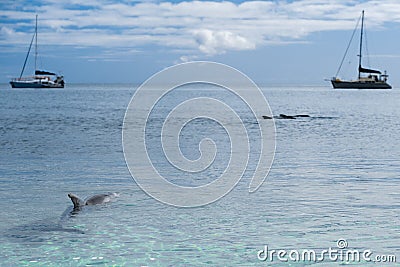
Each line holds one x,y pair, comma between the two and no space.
336,175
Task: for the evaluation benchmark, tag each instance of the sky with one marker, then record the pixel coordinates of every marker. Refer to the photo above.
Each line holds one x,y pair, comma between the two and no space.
273,42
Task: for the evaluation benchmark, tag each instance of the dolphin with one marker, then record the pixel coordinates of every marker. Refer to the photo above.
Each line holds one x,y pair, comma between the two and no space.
93,200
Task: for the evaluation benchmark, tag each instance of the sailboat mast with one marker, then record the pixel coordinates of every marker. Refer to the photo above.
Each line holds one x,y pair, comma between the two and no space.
361,39
36,44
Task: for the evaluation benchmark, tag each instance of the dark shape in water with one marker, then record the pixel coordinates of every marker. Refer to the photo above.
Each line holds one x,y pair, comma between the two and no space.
286,117
39,231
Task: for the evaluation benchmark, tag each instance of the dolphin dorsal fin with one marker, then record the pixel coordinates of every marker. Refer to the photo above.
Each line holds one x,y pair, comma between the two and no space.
75,200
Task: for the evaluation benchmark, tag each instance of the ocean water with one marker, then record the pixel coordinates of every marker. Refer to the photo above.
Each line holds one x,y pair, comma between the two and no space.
335,176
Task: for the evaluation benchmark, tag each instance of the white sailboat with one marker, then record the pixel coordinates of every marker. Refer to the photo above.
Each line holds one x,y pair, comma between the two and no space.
41,78
367,78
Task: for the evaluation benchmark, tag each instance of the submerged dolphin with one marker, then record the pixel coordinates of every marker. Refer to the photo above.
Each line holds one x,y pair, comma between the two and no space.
286,117
93,200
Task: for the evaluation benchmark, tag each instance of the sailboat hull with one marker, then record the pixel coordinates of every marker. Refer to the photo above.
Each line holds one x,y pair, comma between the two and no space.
35,84
360,85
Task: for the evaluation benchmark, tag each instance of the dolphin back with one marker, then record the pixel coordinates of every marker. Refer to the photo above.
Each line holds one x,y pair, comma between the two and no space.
100,199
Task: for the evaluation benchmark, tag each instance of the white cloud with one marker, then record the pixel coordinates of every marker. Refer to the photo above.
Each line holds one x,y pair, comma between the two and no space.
6,31
215,42
206,27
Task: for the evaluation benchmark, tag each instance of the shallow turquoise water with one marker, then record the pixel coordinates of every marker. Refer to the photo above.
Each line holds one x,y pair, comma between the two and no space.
335,175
